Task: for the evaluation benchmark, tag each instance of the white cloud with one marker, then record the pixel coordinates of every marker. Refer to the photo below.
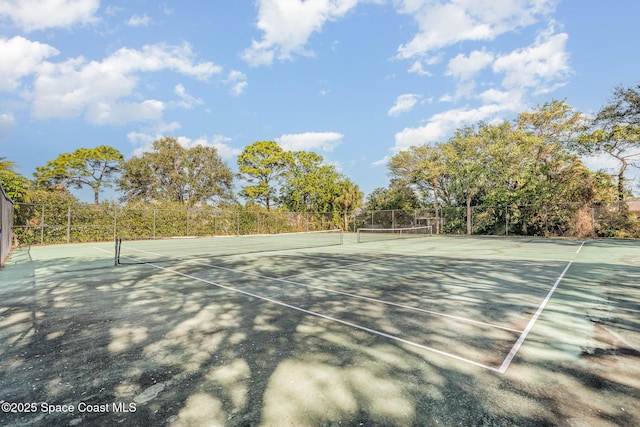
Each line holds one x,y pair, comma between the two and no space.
238,82
310,141
464,67
417,68
111,10
21,58
100,90
539,66
31,15
443,23
219,142
186,101
158,57
119,113
382,162
503,97
404,103
534,69
227,152
287,25
433,131
442,124
139,21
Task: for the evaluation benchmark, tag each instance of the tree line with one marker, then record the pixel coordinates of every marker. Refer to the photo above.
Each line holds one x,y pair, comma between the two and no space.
297,181
534,159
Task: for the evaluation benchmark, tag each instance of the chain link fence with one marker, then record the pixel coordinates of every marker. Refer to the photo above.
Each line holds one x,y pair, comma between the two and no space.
49,224
601,219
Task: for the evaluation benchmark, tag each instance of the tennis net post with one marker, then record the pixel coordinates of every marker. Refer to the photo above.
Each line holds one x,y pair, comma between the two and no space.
116,252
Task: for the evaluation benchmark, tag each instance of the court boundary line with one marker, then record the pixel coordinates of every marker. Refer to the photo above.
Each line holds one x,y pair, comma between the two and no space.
326,317
348,294
516,347
501,370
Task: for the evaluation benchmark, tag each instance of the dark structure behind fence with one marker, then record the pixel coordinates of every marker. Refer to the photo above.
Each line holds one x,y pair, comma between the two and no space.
6,225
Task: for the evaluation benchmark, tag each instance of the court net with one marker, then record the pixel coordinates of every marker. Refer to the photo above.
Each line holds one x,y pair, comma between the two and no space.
138,250
379,234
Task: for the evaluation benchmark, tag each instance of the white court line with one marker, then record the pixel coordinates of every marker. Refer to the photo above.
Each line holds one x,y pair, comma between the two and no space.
578,251
347,294
323,316
514,350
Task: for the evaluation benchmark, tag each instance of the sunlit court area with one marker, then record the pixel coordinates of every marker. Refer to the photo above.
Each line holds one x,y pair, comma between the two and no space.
323,328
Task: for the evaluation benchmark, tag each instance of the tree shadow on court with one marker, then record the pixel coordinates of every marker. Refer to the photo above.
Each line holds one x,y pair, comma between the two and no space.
182,350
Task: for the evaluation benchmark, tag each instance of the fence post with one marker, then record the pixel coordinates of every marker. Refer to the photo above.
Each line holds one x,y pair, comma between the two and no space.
42,227
506,220
593,221
68,224
154,223
115,222
546,221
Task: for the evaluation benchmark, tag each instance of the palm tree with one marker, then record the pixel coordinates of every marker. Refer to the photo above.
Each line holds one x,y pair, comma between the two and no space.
349,197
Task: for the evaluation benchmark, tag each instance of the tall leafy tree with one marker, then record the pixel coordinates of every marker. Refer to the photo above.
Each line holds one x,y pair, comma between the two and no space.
423,169
261,165
308,185
464,155
15,185
556,122
615,131
171,172
397,196
498,165
95,167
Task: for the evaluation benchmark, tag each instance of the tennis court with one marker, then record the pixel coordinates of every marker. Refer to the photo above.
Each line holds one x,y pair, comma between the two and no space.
318,329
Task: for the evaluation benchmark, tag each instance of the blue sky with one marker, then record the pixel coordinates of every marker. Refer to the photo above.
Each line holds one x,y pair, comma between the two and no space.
353,80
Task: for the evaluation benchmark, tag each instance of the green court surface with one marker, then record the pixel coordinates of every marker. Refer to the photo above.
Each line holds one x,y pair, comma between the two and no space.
312,330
